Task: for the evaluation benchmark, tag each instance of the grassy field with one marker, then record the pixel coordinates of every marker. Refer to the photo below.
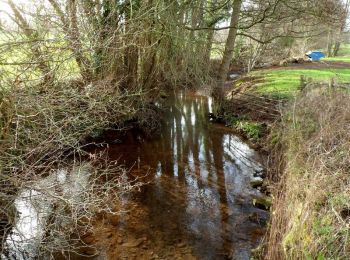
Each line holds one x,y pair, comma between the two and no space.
344,50
284,82
217,50
16,59
343,55
338,58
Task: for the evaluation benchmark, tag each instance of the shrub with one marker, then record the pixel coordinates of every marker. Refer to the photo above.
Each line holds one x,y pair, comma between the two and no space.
43,134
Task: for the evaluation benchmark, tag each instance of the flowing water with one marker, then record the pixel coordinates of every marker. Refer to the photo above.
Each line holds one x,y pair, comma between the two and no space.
198,204
198,200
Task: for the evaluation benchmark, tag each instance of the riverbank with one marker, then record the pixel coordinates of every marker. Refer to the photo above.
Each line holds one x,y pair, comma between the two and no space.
308,169
311,197
44,136
205,161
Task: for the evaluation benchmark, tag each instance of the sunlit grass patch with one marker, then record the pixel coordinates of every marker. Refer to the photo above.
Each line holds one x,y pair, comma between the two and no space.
285,82
344,50
252,130
217,50
343,54
18,63
338,58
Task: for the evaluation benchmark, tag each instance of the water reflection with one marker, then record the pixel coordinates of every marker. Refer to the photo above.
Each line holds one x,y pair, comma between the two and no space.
202,186
35,204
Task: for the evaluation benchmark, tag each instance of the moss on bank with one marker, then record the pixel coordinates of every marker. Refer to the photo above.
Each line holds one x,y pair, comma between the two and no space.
249,128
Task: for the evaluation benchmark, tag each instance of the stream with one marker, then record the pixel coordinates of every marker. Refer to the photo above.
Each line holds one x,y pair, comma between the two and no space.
198,202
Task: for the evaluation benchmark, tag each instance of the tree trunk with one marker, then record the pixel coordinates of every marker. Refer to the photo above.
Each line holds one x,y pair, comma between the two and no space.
341,29
330,41
149,48
70,28
230,42
336,48
76,46
196,19
218,91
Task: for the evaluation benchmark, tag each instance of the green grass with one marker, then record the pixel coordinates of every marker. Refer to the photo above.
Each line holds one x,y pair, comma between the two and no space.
343,54
252,130
338,58
15,57
217,50
284,83
344,50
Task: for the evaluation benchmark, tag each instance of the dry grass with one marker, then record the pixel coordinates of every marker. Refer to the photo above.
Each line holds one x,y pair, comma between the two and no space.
311,211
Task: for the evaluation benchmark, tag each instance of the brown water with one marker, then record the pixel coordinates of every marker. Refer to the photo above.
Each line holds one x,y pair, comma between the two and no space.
198,204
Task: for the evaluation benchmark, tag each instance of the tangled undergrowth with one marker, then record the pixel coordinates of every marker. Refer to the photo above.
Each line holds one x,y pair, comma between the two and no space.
43,135
311,209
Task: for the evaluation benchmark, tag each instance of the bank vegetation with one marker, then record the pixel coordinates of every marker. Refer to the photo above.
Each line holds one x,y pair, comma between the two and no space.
70,70
310,167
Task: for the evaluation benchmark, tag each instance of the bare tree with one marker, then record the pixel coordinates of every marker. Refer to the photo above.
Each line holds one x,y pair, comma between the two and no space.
218,91
230,42
70,27
32,35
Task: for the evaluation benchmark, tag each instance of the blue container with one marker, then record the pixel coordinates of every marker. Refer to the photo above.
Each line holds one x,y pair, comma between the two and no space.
315,55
